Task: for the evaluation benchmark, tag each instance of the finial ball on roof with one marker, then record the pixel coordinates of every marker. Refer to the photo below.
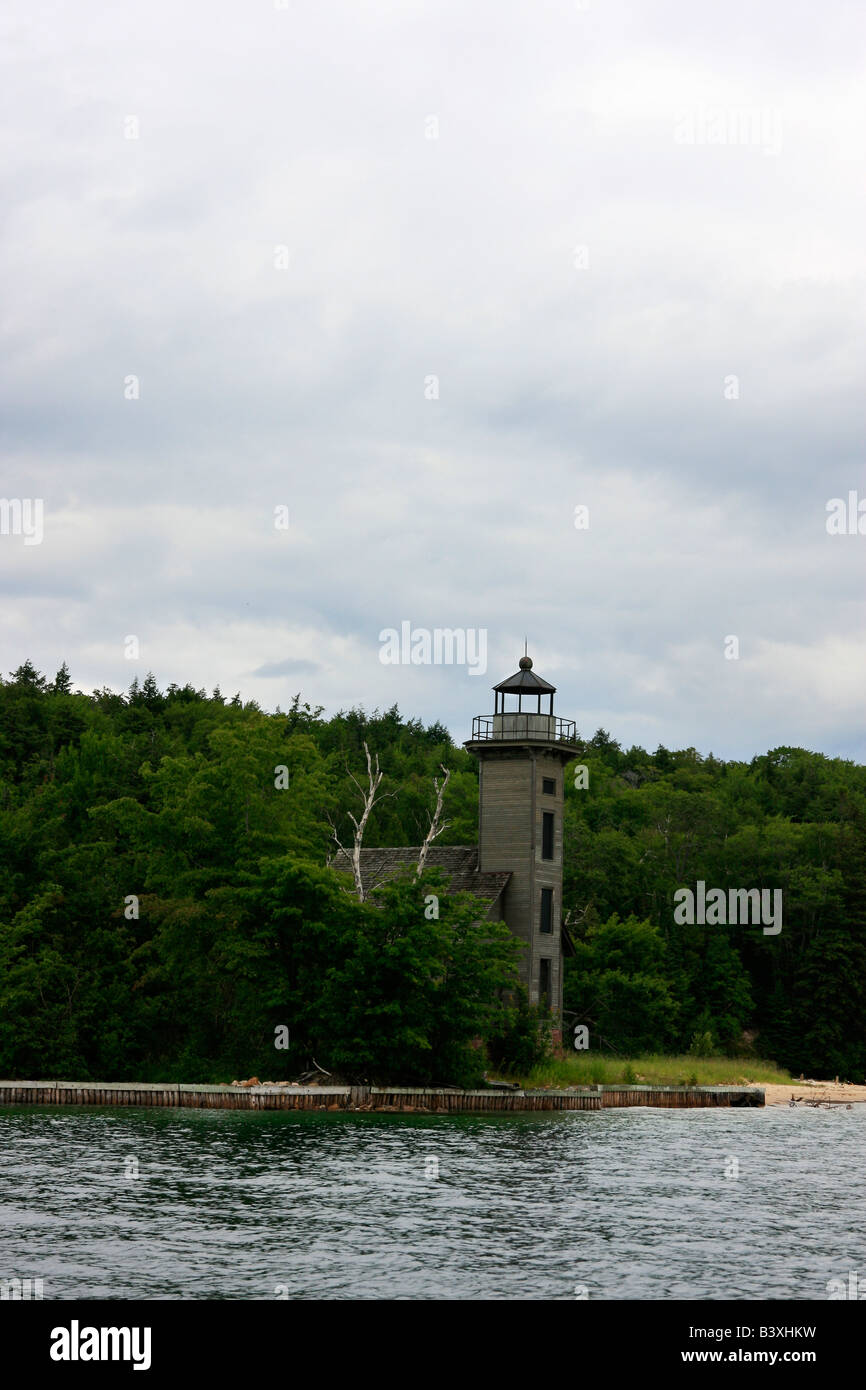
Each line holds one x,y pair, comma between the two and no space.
526,663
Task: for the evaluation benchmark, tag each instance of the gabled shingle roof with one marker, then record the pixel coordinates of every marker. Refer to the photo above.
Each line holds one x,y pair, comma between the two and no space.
458,862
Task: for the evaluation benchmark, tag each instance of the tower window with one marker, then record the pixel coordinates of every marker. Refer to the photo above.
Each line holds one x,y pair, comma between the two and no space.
548,786
544,981
547,835
546,910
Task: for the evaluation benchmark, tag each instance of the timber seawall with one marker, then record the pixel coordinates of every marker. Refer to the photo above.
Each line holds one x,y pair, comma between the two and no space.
389,1099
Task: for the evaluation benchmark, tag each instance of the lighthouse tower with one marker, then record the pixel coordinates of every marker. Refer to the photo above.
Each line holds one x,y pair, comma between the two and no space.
522,753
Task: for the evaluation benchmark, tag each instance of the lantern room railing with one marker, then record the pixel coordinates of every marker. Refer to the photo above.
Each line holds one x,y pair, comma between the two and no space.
548,728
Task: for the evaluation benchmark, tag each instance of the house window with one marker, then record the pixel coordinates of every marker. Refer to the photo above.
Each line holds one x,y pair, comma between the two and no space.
548,786
547,835
544,982
546,910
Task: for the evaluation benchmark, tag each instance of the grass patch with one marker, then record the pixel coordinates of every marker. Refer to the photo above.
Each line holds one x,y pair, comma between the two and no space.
654,1070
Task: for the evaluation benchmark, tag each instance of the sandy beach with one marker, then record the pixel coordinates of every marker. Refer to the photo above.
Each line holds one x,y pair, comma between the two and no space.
806,1091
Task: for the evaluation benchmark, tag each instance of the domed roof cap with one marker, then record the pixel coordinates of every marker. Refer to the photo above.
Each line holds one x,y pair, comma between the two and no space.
525,681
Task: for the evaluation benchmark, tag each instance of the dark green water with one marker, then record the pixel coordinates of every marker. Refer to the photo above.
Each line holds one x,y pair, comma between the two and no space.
623,1204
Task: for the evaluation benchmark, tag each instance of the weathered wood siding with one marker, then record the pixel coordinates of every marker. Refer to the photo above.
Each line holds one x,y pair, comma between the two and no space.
511,807
547,874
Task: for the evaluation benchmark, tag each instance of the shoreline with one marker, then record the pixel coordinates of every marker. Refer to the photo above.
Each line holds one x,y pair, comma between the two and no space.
388,1099
425,1099
814,1092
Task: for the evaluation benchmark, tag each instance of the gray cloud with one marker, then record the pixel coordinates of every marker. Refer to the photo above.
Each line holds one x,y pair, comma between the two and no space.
289,667
452,257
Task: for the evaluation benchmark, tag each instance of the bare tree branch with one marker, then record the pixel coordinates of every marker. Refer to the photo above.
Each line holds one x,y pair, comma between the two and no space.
370,799
435,827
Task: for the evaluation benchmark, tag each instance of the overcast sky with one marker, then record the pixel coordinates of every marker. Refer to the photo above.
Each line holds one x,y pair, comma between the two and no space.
626,239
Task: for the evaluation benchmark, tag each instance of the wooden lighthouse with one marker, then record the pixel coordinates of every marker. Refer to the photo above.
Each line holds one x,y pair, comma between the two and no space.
522,749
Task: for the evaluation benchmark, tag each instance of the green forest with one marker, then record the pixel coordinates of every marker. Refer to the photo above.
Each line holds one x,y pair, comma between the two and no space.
167,911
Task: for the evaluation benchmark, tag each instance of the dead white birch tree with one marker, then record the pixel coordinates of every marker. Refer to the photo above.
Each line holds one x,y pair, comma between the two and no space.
370,799
435,827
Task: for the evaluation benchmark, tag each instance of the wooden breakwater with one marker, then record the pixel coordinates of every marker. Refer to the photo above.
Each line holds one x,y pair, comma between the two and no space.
405,1099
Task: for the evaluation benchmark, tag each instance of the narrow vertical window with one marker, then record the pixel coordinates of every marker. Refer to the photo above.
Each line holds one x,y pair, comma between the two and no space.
547,835
544,982
546,910
548,786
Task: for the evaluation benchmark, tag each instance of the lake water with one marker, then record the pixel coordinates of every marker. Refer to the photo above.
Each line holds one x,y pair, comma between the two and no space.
612,1204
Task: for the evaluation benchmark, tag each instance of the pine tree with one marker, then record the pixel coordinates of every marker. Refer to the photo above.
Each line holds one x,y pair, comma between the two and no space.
151,694
62,684
28,676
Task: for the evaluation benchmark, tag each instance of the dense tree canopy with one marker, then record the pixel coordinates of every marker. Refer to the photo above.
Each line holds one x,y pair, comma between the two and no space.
166,905
648,824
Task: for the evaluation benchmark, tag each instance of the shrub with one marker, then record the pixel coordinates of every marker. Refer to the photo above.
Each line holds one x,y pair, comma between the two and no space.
520,1038
702,1045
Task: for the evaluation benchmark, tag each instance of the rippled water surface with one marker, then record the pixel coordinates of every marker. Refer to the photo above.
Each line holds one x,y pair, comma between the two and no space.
629,1204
